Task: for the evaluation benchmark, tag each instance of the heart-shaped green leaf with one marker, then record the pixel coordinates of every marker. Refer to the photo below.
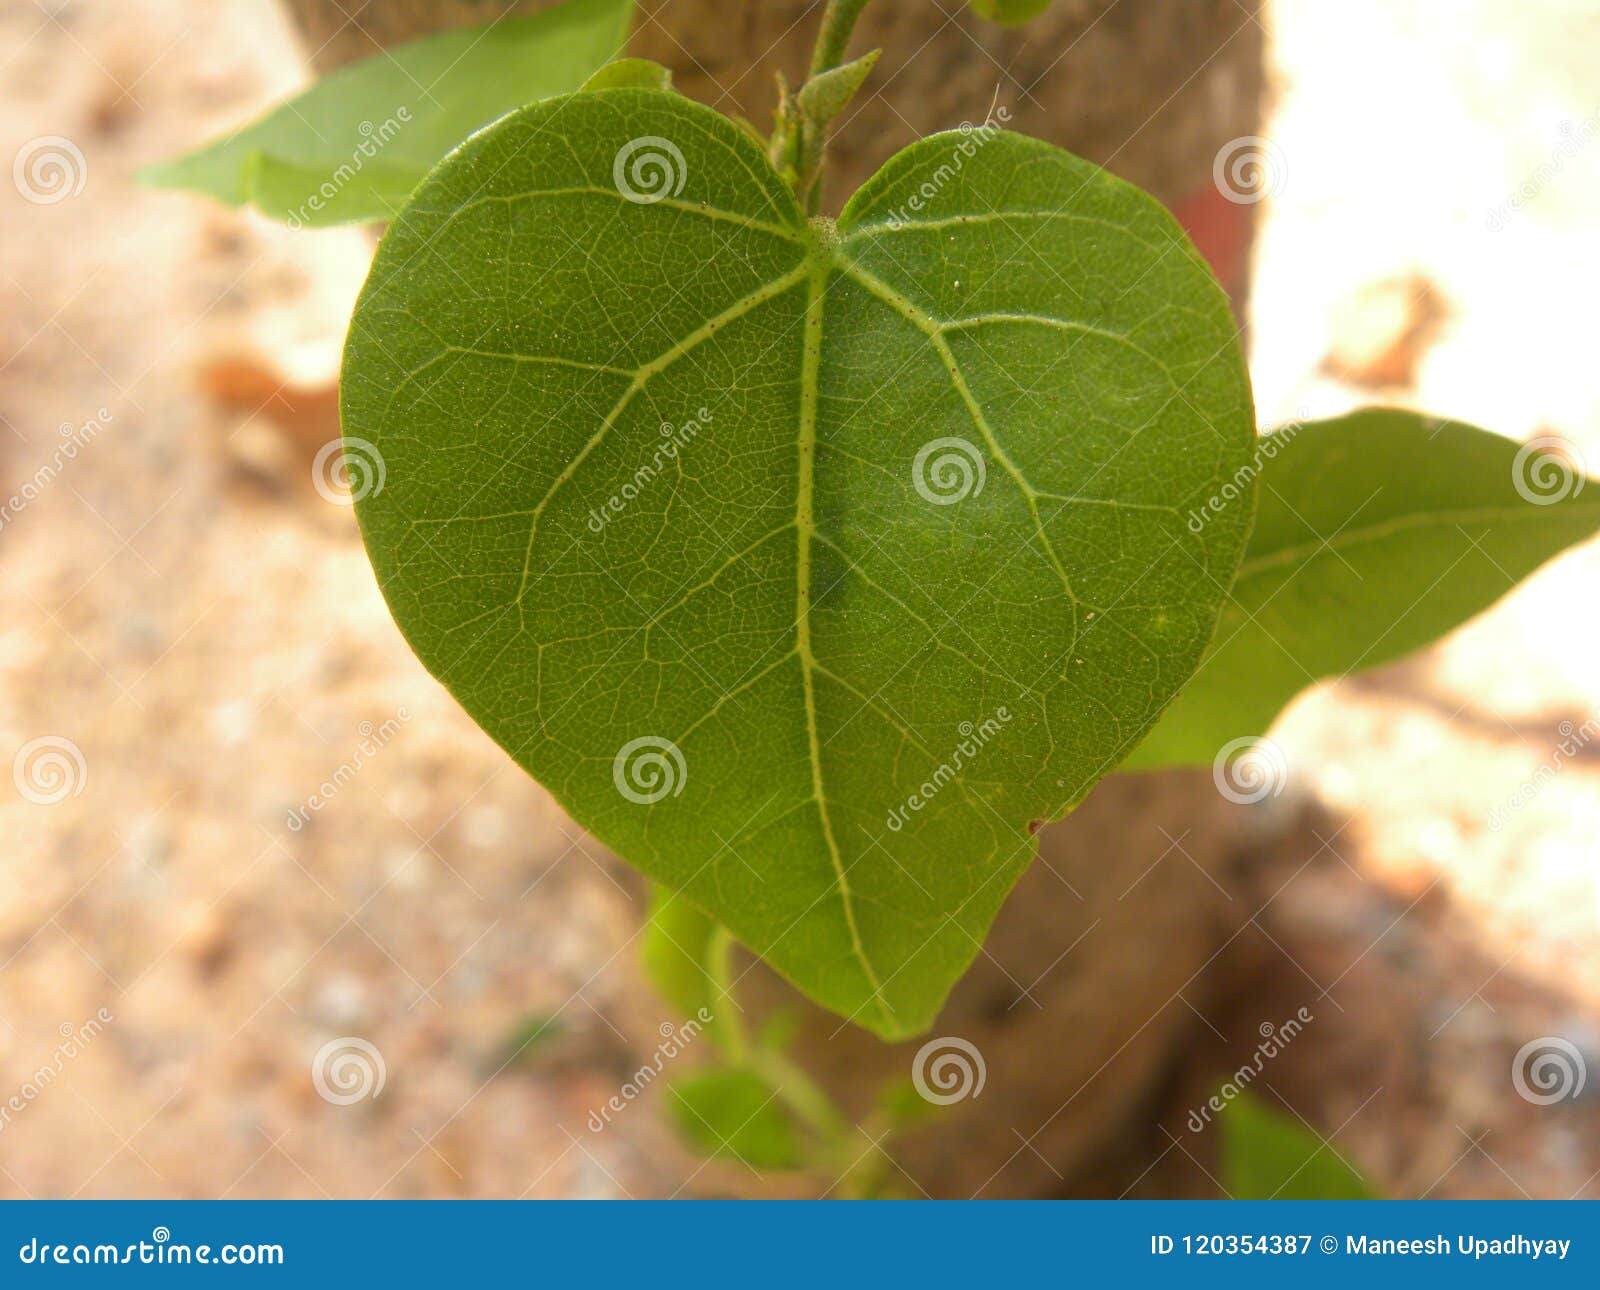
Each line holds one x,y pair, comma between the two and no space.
1377,533
354,145
806,564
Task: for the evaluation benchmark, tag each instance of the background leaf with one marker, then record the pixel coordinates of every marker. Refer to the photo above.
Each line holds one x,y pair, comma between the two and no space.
742,532
354,145
1010,13
734,1113
677,945
1267,1155
1377,533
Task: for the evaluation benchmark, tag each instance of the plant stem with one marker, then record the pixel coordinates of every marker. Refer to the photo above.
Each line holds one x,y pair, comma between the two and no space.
838,21
719,967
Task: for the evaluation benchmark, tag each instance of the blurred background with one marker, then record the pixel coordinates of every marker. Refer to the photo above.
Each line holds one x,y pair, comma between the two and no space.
245,833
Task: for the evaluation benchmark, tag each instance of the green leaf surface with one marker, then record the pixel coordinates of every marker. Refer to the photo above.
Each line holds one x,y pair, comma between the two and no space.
356,143
1376,533
807,565
734,1114
635,73
1267,1155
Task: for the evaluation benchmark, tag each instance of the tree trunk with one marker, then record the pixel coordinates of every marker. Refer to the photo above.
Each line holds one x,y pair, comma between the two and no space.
1085,1000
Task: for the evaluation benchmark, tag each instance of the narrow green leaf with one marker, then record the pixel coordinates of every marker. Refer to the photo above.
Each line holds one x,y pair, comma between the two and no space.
354,145
1010,13
735,1114
631,73
676,950
1377,533
807,565
1266,1155
823,97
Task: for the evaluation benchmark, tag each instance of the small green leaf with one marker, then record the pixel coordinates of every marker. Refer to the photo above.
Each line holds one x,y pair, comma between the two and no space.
735,1114
1268,1156
1377,533
354,145
1010,13
631,73
806,564
677,945
824,96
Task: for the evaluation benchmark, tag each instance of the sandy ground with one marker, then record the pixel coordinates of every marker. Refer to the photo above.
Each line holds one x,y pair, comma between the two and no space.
198,623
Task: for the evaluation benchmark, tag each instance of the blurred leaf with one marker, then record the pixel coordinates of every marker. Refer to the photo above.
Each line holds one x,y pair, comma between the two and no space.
903,1107
676,949
531,1038
1269,1156
1376,533
631,73
355,144
1010,13
735,1114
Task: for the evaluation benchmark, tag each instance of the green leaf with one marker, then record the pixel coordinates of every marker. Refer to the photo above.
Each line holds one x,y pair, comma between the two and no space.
676,952
354,145
1010,13
807,566
827,94
631,73
1377,533
1268,1156
736,1114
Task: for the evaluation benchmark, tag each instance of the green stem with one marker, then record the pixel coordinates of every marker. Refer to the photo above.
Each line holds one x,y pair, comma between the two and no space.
838,21
719,967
